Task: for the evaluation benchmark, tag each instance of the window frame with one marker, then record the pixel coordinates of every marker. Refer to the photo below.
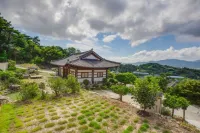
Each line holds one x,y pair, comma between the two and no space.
83,74
99,74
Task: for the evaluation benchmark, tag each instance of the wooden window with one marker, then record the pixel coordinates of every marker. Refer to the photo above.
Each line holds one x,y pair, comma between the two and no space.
100,74
84,75
72,72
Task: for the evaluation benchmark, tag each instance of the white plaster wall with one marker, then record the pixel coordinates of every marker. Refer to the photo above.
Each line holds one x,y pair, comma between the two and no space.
98,79
81,79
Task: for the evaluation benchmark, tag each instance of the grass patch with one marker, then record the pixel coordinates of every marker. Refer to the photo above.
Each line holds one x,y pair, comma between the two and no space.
43,120
55,118
144,127
105,124
136,120
6,118
18,122
70,125
122,122
48,125
99,119
94,125
30,123
71,119
82,121
91,118
62,122
60,128
81,117
83,128
36,129
89,131
40,116
28,119
74,114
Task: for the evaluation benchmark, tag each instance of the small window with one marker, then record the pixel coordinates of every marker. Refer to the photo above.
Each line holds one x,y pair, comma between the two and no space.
72,72
100,74
84,75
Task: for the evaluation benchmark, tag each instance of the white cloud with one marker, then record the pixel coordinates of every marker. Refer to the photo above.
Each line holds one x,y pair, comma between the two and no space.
109,38
88,44
135,20
190,54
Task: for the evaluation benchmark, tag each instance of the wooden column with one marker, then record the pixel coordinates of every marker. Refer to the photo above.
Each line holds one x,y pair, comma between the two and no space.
63,71
92,76
76,72
106,73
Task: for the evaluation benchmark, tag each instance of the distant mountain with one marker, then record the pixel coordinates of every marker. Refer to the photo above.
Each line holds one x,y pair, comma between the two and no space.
175,63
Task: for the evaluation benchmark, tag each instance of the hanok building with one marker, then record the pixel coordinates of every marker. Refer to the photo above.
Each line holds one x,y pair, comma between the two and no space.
86,65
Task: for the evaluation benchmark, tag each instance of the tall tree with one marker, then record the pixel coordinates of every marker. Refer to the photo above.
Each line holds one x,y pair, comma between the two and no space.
145,92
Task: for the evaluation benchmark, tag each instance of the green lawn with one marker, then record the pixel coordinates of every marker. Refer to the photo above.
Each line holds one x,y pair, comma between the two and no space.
86,113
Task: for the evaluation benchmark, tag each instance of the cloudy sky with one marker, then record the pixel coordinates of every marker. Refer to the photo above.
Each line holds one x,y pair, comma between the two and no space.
121,30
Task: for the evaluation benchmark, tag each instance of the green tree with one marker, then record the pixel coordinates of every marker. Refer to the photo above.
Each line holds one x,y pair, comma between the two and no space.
171,102
126,78
145,92
57,85
72,84
184,103
163,81
29,91
188,89
120,89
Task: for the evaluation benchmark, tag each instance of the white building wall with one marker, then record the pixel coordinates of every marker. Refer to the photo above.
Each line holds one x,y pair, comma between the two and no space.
96,79
81,79
99,79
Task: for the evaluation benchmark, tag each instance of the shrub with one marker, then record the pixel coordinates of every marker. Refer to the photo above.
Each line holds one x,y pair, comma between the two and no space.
44,95
13,80
11,65
72,84
29,91
42,85
112,81
57,85
86,83
5,75
165,111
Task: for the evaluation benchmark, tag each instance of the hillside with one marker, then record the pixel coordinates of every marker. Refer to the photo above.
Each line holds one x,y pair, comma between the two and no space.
155,68
175,63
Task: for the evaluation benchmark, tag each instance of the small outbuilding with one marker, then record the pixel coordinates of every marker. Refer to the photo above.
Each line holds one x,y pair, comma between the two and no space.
85,65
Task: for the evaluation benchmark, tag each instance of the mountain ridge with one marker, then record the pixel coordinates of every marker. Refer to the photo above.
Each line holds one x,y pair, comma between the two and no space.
175,63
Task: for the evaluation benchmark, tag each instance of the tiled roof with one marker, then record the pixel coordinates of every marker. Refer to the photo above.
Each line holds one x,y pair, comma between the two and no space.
76,60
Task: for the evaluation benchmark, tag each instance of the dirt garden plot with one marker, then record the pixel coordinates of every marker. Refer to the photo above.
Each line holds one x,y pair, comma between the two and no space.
85,113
